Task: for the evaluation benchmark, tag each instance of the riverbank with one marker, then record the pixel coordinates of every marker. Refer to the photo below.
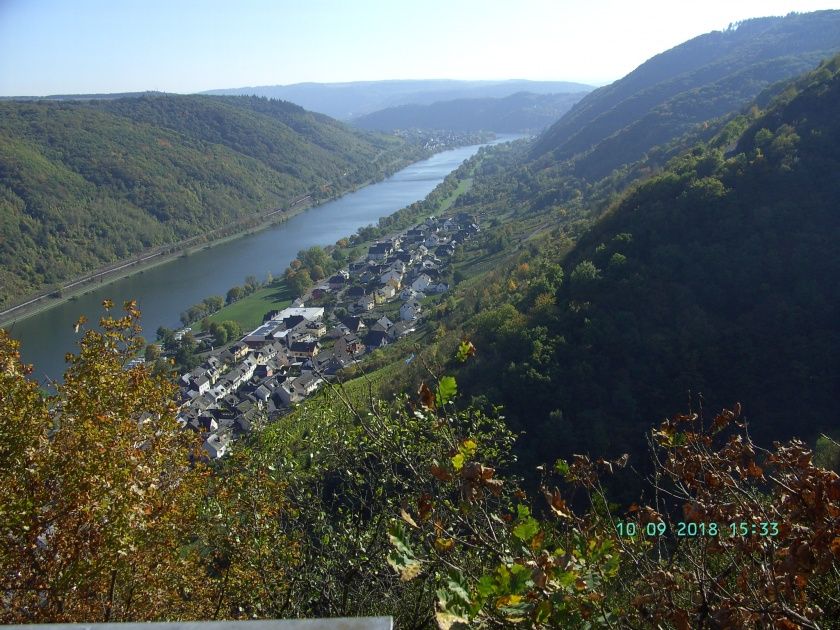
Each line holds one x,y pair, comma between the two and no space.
248,312
81,285
109,274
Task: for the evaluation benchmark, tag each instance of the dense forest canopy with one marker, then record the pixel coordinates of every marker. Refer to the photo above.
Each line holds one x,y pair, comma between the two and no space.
85,183
714,278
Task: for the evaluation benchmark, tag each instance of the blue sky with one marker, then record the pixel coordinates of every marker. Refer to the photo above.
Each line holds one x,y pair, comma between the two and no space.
86,46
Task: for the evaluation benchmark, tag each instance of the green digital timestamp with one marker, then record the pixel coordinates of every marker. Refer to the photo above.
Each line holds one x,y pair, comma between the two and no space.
697,529
763,528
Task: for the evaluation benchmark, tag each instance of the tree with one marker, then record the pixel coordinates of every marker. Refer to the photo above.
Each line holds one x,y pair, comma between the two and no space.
299,281
98,493
152,352
234,294
214,303
220,334
232,328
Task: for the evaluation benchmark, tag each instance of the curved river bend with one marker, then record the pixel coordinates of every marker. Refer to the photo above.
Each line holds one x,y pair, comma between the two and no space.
165,291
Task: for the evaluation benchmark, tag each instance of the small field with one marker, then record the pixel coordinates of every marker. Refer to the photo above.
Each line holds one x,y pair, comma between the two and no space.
249,311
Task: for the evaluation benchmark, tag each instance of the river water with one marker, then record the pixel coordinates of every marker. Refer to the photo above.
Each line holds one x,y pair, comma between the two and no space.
165,291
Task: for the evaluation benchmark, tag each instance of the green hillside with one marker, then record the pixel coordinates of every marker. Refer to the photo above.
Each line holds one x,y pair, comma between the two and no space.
701,79
716,277
84,184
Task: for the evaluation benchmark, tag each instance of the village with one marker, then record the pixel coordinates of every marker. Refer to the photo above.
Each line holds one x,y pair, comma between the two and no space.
369,304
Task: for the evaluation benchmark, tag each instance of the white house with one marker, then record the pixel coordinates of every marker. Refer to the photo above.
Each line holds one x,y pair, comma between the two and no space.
216,445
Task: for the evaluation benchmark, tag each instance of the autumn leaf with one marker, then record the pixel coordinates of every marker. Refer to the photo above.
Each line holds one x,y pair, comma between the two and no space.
441,474
425,506
556,503
407,518
427,397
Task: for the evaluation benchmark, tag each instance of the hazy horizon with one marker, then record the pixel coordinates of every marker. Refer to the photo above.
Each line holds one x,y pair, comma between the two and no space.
49,47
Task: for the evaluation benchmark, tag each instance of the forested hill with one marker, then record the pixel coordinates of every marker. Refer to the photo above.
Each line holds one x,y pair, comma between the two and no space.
717,277
703,78
521,112
86,183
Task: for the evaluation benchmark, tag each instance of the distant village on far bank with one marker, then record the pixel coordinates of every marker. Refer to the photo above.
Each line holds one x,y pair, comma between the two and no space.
375,301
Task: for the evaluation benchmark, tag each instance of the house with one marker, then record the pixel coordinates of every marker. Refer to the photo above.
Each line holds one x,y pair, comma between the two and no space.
239,350
200,384
410,310
263,392
261,334
354,324
384,322
409,294
421,282
264,370
337,282
376,339
207,422
306,384
357,268
336,332
216,445
221,389
404,257
304,349
379,252
401,329
316,329
439,288
312,313
384,294
364,304
285,395
391,277
298,303
247,367
349,344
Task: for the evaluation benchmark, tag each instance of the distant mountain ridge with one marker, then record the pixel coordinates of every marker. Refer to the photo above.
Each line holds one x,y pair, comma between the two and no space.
353,99
521,112
703,78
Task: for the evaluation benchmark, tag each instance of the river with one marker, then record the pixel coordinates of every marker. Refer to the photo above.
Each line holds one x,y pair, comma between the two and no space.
165,291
